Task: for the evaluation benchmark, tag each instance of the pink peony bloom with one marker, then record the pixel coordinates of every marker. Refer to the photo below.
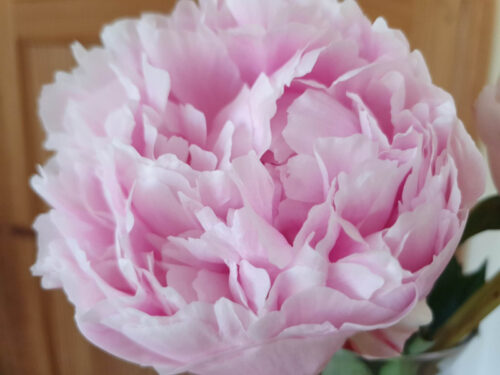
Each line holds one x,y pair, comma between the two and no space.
245,187
488,122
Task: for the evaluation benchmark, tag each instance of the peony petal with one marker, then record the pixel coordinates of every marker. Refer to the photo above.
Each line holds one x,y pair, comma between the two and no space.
353,280
468,158
255,185
256,284
157,83
302,179
211,286
208,86
314,115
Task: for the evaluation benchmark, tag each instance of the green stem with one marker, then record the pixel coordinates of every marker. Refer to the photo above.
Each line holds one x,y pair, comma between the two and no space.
467,318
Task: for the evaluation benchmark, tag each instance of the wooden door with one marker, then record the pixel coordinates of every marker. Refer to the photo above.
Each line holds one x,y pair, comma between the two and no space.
37,331
38,335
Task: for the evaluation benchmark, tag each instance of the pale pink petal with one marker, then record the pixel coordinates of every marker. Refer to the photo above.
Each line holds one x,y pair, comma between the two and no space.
208,86
302,179
300,355
472,172
251,113
211,286
353,280
255,184
256,283
314,115
157,83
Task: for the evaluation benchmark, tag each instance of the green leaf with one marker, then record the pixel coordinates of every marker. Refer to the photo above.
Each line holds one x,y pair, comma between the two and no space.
417,344
451,290
484,216
345,362
399,366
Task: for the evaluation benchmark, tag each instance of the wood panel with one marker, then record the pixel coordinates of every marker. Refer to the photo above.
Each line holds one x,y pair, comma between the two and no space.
473,41
38,335
65,20
13,140
25,340
39,62
36,1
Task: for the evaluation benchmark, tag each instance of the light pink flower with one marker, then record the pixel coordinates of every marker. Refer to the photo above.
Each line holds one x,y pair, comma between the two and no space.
488,123
241,187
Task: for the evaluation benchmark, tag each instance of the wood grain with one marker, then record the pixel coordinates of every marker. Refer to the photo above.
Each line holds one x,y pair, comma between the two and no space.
14,163
81,19
39,63
38,335
25,340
